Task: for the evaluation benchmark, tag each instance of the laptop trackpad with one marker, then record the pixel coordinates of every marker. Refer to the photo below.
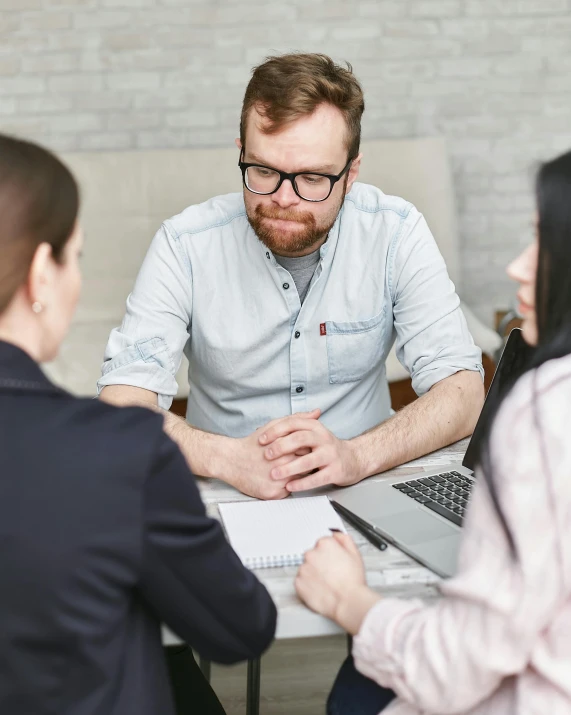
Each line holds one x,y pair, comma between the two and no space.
414,527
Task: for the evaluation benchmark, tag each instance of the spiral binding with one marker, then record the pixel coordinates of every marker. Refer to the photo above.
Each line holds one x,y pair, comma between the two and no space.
268,562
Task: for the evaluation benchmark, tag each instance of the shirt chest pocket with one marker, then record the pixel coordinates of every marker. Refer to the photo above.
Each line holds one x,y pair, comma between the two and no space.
354,349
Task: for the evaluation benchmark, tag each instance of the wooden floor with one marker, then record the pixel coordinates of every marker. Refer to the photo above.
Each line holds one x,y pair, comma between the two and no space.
296,677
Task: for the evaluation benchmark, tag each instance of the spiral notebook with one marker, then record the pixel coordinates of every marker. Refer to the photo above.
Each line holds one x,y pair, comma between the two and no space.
277,533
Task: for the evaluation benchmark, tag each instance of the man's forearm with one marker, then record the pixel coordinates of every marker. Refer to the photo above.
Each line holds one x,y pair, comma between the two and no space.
445,414
203,451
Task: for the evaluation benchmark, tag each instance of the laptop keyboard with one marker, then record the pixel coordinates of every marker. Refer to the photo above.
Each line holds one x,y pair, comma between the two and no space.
446,494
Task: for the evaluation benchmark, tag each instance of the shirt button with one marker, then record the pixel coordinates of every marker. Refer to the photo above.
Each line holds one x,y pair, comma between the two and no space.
267,254
299,389
297,334
285,286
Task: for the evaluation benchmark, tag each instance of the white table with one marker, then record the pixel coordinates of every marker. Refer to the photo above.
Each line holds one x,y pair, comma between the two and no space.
389,572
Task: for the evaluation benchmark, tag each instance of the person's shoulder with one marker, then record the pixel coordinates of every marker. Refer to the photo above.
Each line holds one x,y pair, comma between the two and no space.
199,218
529,443
103,428
539,401
368,199
547,381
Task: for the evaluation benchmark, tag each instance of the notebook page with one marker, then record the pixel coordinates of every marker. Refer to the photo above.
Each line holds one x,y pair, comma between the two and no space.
273,533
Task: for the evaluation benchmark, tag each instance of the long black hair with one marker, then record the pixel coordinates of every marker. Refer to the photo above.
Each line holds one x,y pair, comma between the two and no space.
552,295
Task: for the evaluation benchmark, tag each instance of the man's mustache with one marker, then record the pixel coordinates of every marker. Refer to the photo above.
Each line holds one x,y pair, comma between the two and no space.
299,216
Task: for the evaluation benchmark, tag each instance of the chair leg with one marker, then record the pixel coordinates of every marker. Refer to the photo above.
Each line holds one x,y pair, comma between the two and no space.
253,688
204,667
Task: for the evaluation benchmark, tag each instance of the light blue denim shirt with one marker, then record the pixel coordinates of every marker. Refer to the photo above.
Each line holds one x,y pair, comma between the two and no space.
210,288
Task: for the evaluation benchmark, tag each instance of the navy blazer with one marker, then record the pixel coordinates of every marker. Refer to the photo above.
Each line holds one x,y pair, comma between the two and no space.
103,536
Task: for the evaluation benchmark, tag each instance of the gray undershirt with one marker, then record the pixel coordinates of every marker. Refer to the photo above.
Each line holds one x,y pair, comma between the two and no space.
301,269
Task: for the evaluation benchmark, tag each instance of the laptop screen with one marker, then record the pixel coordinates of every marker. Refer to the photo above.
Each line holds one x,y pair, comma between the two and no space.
512,363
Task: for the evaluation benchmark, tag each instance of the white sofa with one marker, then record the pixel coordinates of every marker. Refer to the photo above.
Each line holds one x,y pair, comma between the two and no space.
126,196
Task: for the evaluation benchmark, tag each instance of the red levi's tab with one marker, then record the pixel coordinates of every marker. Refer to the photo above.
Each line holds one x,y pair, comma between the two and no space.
322,329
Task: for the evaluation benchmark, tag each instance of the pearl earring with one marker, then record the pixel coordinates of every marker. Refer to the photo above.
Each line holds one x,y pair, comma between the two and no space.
37,307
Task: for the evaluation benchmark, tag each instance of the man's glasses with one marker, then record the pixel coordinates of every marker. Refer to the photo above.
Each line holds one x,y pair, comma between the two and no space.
264,180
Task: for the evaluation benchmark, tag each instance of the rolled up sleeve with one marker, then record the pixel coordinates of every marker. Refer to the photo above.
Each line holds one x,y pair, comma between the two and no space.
146,350
432,337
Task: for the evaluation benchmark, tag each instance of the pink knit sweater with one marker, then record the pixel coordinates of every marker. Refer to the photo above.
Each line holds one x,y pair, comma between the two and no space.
499,640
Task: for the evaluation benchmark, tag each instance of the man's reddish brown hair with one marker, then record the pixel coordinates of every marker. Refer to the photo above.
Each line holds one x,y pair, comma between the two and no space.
287,87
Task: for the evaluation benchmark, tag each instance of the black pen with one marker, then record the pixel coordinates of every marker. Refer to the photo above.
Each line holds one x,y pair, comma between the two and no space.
362,527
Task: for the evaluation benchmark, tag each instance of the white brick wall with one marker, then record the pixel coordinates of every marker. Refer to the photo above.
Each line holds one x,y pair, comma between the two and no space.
494,76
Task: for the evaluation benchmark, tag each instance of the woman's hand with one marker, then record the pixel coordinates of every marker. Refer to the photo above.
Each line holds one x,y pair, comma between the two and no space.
331,581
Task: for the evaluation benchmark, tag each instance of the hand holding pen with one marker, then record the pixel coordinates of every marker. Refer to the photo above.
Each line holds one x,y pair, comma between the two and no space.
332,581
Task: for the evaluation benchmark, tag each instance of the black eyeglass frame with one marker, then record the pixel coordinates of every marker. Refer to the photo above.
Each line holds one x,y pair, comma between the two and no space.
333,178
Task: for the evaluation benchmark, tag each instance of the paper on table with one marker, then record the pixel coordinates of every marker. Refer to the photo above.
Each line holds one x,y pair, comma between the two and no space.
278,533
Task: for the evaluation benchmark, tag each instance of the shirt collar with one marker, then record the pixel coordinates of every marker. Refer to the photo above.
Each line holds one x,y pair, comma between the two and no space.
333,236
18,371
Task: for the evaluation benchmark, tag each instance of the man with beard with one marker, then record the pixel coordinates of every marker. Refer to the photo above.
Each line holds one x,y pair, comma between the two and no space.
286,300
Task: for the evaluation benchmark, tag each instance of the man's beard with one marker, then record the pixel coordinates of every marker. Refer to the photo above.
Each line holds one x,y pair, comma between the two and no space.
285,243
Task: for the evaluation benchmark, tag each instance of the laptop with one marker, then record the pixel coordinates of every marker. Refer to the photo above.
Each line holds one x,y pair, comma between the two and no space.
422,514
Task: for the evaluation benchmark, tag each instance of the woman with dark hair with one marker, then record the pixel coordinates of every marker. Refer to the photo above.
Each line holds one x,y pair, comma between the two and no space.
499,640
103,534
